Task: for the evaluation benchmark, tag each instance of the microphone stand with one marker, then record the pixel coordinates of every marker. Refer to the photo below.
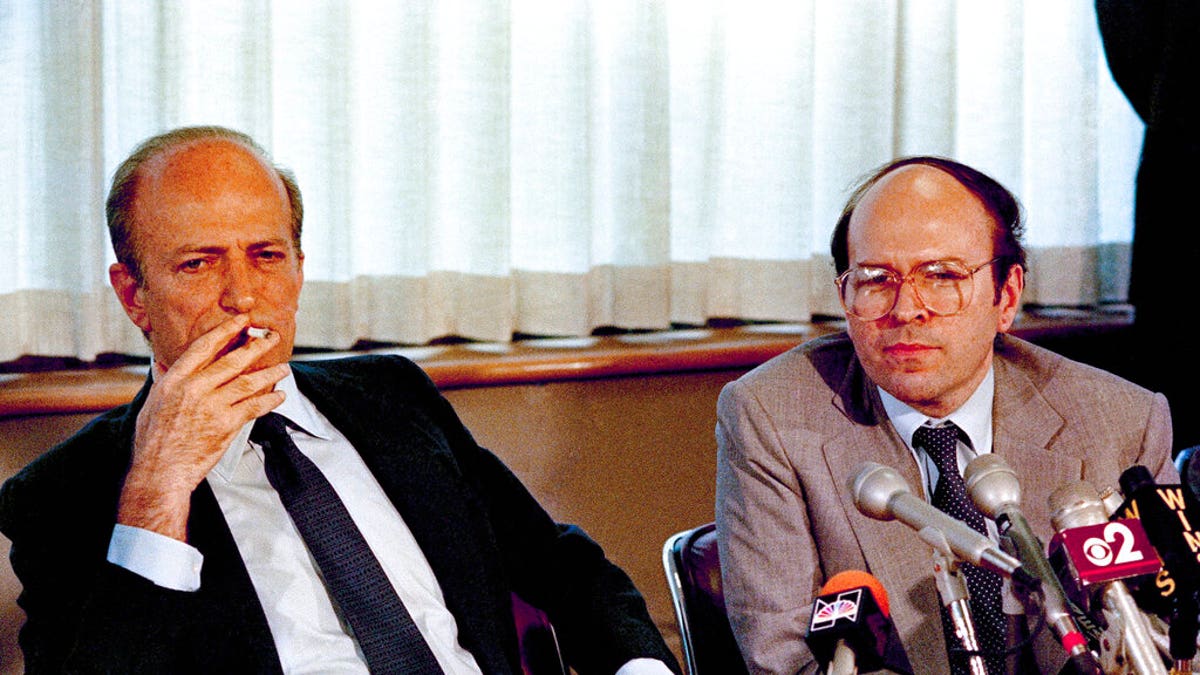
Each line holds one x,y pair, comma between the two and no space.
1182,630
952,586
1182,633
1078,505
1121,610
843,662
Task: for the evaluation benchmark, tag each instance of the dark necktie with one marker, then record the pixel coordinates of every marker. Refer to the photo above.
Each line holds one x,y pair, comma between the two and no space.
950,496
385,631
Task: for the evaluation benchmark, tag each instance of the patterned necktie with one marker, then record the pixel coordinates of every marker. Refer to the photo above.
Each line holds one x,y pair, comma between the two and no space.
950,496
390,641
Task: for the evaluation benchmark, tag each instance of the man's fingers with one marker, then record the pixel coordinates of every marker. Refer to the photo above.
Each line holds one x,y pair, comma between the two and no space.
247,351
207,348
255,383
236,354
258,405
254,393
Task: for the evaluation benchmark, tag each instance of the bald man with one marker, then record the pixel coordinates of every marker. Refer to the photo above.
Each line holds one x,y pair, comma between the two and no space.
157,538
930,274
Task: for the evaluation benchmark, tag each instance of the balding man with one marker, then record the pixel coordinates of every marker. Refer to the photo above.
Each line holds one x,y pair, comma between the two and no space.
248,514
931,272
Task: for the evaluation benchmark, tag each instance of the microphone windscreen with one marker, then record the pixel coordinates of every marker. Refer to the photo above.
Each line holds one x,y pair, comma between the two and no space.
1134,479
844,581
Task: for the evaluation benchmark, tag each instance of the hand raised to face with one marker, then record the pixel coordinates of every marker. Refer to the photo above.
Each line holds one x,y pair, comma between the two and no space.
193,411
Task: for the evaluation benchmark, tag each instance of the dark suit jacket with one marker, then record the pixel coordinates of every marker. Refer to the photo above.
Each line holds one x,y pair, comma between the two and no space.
791,435
484,535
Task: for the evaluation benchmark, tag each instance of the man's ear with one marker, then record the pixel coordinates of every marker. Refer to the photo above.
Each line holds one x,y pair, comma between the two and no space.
129,293
1010,297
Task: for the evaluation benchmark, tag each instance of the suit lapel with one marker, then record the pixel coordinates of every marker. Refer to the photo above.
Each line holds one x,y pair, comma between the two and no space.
894,554
845,454
1025,426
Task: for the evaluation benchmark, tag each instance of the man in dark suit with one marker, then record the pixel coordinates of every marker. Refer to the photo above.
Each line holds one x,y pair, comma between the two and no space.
932,272
154,541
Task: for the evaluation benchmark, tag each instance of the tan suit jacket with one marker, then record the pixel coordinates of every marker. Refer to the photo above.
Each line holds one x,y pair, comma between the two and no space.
793,432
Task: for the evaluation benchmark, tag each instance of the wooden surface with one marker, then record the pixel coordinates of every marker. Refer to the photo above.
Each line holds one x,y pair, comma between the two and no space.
530,361
458,366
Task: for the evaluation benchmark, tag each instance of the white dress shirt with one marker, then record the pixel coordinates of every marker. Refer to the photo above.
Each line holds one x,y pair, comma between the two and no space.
308,634
974,418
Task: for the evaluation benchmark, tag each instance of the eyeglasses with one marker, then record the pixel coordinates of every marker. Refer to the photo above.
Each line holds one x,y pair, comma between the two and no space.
943,287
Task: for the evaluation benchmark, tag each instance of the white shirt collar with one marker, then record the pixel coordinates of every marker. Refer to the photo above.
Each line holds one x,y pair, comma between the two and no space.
296,407
974,416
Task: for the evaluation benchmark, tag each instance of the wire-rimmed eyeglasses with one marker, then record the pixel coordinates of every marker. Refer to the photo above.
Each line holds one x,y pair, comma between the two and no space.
943,287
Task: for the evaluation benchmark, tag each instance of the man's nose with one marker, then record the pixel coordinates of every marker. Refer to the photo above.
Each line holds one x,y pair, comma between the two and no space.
239,294
909,305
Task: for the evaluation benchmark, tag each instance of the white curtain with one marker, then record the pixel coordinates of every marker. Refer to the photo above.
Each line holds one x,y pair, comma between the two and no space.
484,167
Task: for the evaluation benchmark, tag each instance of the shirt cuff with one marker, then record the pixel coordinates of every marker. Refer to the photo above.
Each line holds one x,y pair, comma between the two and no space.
167,562
644,667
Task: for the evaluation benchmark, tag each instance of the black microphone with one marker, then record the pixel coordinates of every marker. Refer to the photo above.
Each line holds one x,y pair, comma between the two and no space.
850,624
882,493
996,491
1097,554
1170,515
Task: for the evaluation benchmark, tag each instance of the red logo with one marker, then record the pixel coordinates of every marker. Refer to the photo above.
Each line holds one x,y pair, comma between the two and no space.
1109,551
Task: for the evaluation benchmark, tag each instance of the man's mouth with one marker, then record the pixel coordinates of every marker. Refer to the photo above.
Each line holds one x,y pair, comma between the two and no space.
906,349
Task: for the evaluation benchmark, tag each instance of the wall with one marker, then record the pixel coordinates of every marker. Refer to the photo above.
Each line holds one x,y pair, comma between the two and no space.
632,460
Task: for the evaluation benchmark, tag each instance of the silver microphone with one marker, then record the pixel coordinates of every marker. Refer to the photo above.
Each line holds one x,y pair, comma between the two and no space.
996,491
1079,505
882,493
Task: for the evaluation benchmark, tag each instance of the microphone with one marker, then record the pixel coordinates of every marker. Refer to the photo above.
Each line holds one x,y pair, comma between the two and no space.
881,493
1170,515
993,486
1085,540
850,624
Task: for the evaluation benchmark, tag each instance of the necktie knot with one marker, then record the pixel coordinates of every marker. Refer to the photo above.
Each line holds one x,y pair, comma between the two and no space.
283,462
950,493
268,428
941,443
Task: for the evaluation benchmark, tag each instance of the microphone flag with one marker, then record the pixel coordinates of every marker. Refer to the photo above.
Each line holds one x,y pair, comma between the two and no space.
853,617
1094,555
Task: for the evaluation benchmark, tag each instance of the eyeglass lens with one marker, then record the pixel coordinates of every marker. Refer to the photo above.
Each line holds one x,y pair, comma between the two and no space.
943,287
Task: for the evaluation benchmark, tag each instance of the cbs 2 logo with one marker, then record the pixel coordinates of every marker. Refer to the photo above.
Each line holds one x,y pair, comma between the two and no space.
1099,551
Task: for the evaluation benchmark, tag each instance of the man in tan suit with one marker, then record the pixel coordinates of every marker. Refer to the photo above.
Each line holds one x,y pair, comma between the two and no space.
931,274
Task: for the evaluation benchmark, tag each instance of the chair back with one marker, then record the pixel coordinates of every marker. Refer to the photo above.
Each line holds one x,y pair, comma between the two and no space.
536,640
694,578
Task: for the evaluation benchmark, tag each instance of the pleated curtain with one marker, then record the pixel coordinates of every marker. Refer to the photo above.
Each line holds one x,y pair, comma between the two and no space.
485,168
